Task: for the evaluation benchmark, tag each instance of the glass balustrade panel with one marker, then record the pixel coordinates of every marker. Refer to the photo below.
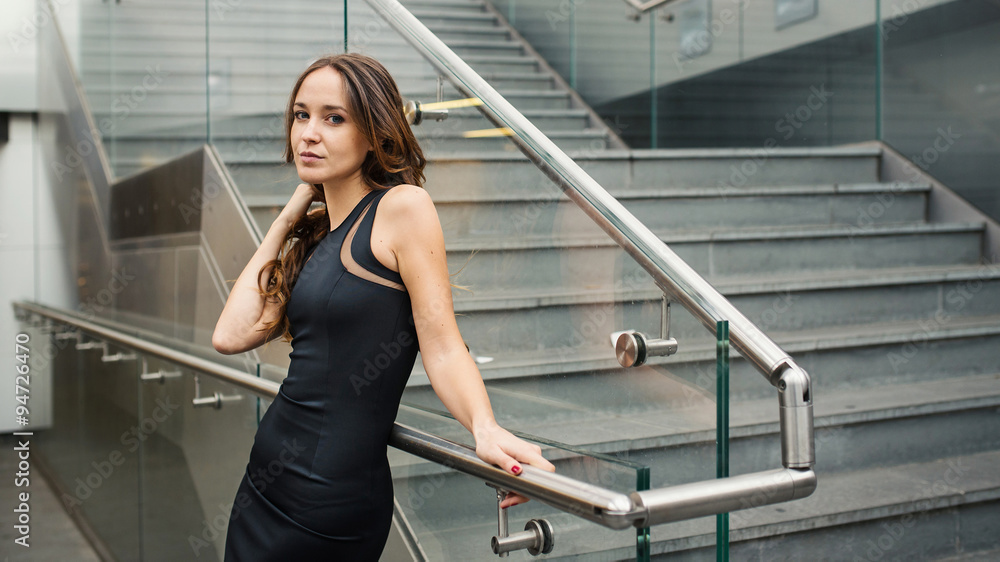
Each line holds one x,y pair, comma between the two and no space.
198,433
93,448
152,474
453,516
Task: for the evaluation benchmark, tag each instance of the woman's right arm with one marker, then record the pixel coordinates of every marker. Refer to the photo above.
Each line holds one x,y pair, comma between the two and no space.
241,325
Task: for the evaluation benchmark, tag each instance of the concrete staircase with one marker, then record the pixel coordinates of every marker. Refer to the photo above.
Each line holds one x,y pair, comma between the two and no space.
898,323
895,316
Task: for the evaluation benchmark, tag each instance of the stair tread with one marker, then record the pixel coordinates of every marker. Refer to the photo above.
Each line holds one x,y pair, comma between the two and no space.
664,193
268,91
624,156
488,243
614,431
668,154
688,416
462,28
506,44
448,15
731,286
553,362
278,136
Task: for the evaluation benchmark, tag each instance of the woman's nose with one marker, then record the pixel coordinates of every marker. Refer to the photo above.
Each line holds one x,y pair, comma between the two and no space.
310,133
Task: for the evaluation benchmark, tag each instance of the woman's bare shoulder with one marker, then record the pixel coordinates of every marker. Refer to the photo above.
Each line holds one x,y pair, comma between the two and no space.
409,219
410,202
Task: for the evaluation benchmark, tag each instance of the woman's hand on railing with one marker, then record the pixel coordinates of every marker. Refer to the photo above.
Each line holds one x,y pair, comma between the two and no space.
500,447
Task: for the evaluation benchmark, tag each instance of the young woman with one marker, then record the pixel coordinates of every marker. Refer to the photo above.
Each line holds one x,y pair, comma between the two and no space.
356,285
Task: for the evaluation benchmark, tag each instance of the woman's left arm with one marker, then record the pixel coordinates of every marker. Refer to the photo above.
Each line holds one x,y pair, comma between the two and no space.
418,246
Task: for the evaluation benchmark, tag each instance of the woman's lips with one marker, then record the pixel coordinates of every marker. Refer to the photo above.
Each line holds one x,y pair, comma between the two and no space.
308,157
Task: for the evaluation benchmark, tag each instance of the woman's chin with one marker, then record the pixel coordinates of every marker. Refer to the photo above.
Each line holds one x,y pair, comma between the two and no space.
310,176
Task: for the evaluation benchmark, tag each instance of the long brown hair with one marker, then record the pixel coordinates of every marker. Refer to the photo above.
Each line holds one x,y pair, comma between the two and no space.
376,109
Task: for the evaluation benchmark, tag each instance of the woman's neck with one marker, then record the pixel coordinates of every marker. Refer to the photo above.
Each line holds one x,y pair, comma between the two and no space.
341,198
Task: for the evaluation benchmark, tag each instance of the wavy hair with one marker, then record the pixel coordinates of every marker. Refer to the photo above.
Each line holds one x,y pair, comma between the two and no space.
376,108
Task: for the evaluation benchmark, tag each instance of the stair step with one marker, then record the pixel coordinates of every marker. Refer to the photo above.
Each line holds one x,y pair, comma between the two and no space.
192,53
253,127
430,16
494,325
675,425
450,32
485,44
515,176
432,141
488,217
578,263
908,350
454,176
677,209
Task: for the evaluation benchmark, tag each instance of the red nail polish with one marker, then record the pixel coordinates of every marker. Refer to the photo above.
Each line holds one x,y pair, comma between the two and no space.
516,470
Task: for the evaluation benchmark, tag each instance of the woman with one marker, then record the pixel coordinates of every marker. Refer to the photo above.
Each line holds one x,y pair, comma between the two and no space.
361,282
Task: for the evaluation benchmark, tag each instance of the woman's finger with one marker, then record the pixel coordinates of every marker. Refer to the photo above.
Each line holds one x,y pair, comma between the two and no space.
529,454
512,499
495,455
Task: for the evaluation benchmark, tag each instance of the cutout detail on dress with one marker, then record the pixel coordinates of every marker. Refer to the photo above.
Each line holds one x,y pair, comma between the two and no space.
356,269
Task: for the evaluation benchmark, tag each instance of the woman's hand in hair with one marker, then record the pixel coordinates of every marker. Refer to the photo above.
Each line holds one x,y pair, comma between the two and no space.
248,315
304,196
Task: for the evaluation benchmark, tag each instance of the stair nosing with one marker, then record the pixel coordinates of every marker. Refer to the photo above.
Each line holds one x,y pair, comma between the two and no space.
669,193
591,359
733,287
691,236
746,428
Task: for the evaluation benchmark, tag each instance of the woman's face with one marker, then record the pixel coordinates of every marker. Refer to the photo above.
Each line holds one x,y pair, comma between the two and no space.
327,146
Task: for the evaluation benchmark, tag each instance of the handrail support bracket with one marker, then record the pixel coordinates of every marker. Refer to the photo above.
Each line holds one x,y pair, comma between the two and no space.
796,417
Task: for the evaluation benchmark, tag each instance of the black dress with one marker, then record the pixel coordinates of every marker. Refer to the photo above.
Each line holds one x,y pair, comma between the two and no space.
318,486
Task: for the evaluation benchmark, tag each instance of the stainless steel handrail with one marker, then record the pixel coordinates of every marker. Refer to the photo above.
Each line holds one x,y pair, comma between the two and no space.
611,509
608,508
233,376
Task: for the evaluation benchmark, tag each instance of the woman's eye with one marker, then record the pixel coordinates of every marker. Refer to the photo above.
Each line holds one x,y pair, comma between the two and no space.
300,115
336,119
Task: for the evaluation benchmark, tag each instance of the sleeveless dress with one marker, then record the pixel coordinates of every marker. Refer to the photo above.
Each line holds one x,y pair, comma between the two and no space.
318,486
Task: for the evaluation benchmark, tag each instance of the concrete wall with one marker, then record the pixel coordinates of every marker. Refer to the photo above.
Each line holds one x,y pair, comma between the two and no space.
36,215
613,51
35,247
939,103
